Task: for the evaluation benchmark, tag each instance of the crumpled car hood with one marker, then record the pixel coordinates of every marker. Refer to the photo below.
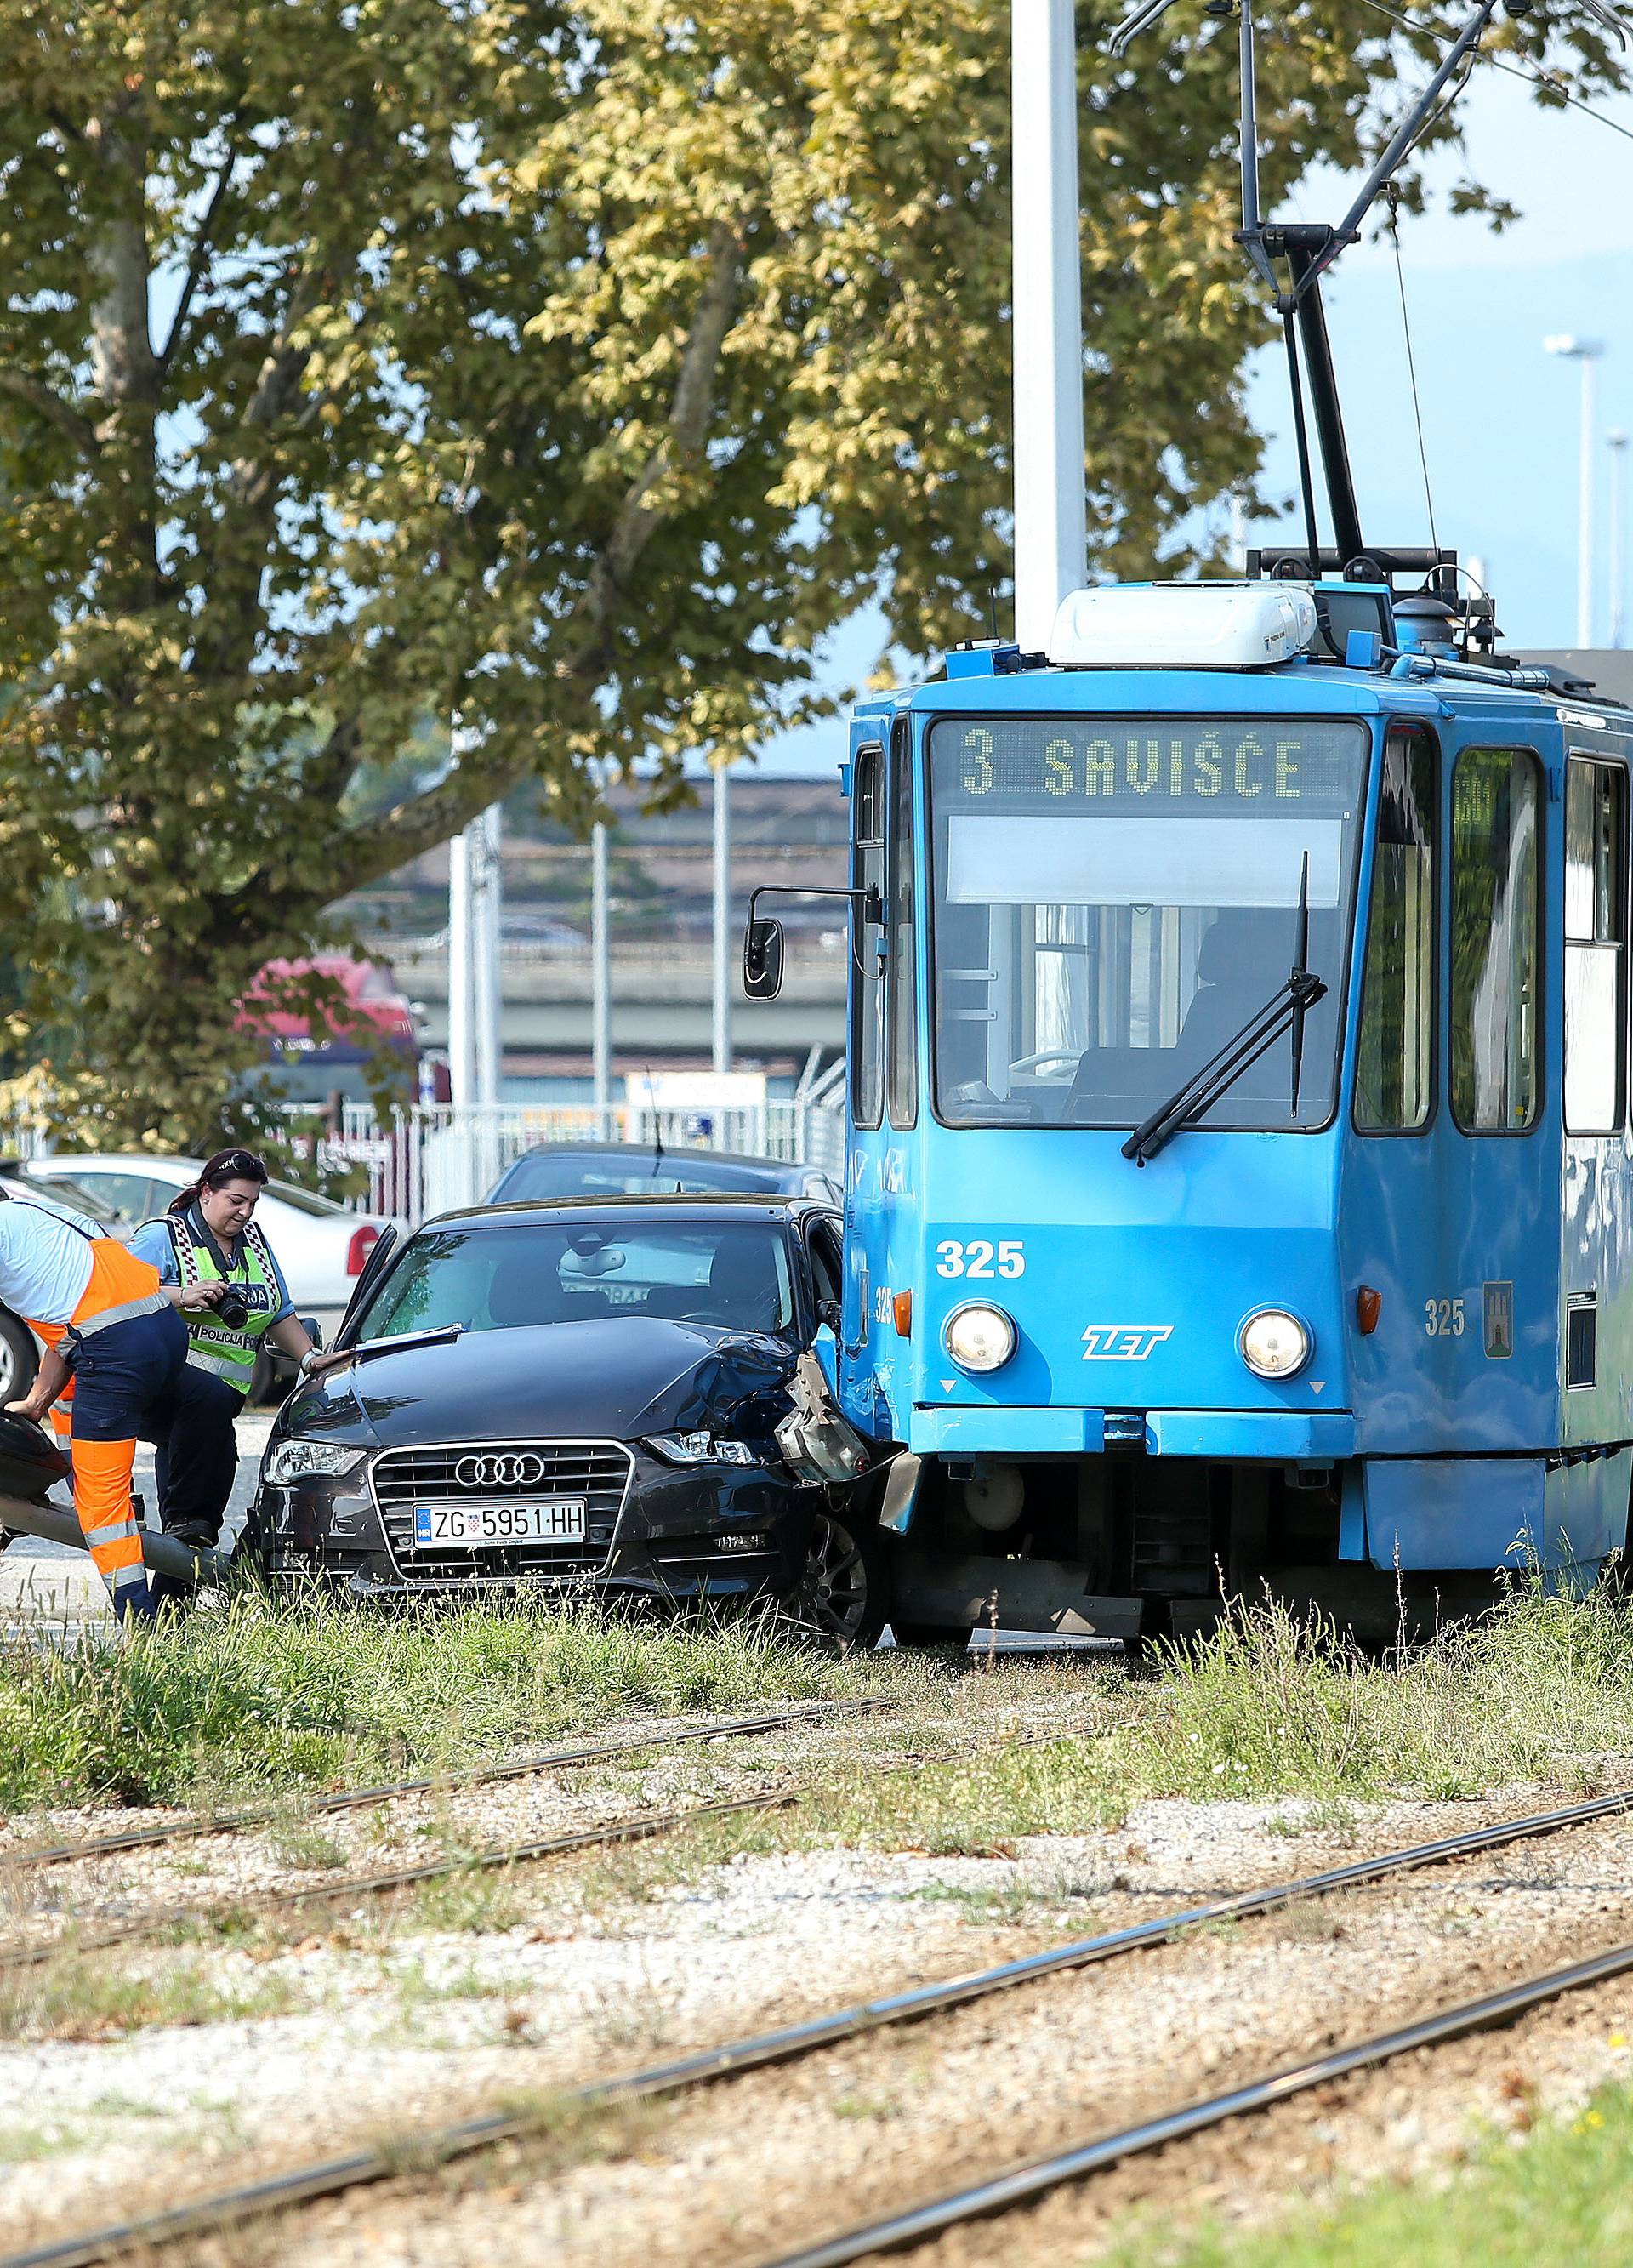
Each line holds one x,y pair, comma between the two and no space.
619,1377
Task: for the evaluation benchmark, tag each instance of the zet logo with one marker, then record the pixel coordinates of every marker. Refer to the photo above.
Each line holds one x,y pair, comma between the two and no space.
1123,1342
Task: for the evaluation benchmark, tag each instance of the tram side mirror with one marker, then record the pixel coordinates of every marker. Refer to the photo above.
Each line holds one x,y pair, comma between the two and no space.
762,960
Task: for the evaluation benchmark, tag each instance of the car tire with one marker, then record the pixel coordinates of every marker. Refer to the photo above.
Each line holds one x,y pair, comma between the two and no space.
911,1633
843,1598
19,1358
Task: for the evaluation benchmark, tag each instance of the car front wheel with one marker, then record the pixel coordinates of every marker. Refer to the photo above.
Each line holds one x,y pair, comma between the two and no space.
841,1599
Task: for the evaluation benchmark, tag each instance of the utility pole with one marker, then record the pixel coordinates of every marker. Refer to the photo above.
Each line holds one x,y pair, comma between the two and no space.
1046,297
461,1021
1586,352
487,892
600,976
1615,504
723,920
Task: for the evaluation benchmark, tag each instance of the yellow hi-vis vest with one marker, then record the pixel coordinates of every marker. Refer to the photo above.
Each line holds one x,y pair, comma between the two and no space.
213,1345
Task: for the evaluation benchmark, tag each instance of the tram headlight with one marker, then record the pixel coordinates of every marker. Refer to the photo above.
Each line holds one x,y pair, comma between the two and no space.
979,1338
1274,1344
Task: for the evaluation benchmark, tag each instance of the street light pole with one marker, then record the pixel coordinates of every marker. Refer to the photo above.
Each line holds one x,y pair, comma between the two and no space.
1613,504
1046,300
1586,352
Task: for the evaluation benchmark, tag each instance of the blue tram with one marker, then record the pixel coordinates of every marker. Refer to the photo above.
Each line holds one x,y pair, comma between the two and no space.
1238,1180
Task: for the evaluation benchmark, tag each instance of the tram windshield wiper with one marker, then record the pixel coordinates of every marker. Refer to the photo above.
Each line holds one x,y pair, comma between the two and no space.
1282,1015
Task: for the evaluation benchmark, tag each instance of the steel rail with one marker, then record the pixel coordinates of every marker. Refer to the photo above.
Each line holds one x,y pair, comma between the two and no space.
331,2177
175,1830
32,1953
1023,2184
641,1829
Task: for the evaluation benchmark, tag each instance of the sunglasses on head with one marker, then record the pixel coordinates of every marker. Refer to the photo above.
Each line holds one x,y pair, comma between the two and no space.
238,1163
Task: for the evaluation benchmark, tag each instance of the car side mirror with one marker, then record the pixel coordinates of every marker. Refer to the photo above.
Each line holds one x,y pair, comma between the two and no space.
762,960
829,1314
312,1328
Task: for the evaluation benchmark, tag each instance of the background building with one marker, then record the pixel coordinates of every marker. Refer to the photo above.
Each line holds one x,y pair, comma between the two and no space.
661,885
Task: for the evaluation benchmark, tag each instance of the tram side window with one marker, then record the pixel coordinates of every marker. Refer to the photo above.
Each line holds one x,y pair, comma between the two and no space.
1395,1072
1497,887
903,1018
1595,947
867,990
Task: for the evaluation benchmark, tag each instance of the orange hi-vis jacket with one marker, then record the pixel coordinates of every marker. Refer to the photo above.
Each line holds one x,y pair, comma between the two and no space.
118,1284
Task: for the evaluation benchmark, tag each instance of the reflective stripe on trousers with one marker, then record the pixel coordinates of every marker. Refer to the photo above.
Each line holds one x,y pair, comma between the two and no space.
102,1471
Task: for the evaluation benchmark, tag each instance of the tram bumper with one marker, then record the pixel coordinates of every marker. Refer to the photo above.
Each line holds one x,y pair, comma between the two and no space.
1271,1436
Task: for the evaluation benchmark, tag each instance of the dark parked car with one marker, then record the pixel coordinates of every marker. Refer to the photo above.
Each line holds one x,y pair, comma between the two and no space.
587,1389
634,1169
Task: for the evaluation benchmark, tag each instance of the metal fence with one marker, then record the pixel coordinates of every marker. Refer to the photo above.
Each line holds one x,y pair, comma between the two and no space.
432,1157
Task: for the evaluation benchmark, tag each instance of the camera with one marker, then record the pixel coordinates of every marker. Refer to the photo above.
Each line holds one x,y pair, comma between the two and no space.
233,1309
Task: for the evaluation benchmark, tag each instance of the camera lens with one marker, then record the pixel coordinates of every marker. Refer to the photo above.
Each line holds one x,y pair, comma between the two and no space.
233,1309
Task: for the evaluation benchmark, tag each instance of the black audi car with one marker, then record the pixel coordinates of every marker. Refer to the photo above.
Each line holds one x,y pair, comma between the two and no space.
588,1389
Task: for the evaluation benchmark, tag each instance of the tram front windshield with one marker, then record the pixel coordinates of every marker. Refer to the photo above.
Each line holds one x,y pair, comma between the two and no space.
1114,899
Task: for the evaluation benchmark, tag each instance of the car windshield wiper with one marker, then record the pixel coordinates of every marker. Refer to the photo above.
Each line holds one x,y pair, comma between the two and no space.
1283,1013
439,1335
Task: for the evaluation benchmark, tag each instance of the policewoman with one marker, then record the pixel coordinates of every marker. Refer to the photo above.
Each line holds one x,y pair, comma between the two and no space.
209,1238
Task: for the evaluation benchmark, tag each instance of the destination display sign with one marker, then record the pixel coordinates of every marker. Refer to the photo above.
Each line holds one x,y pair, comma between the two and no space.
1200,767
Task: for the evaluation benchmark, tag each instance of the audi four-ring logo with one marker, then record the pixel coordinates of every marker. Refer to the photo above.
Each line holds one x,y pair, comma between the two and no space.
504,1470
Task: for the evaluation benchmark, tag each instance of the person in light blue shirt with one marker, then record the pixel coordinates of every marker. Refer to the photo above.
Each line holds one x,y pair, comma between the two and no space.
208,1240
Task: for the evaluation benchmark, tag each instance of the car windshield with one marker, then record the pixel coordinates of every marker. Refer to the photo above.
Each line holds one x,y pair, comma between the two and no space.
733,1275
1114,899
545,1174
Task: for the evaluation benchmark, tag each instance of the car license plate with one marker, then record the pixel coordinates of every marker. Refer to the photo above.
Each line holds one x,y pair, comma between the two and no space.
561,1521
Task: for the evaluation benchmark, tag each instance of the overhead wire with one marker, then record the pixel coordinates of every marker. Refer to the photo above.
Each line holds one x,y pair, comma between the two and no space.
1513,70
1393,195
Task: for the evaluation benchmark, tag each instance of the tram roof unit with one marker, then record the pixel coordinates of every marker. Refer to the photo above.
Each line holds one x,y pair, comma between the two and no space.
1393,668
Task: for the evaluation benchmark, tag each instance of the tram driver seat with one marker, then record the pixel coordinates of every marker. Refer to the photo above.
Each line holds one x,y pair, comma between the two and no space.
1243,958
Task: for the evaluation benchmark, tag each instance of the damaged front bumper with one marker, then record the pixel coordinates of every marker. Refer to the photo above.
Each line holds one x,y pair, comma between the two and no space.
680,1536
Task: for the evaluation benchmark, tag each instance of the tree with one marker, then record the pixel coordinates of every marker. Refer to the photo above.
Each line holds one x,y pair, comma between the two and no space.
562,373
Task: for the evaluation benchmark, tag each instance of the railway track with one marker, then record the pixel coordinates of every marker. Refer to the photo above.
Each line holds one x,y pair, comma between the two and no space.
644,1827
363,1799
1023,2185
310,2184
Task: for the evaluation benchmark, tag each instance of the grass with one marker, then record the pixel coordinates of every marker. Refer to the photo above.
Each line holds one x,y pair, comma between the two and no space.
1277,1705
252,1699
101,1997
1564,2198
1273,1707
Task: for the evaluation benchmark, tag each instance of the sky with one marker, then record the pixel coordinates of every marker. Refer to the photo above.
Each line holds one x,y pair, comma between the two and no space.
1501,416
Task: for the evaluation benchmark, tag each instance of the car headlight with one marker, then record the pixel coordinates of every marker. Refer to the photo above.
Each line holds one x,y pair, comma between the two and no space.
1274,1344
293,1460
979,1338
702,1448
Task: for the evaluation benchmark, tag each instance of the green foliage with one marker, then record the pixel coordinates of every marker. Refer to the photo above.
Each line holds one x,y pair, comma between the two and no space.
1561,2200
564,372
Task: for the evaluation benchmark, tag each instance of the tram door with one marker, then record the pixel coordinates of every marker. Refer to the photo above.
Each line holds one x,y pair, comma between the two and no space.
1488,1325
1454,1165
1596,1218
